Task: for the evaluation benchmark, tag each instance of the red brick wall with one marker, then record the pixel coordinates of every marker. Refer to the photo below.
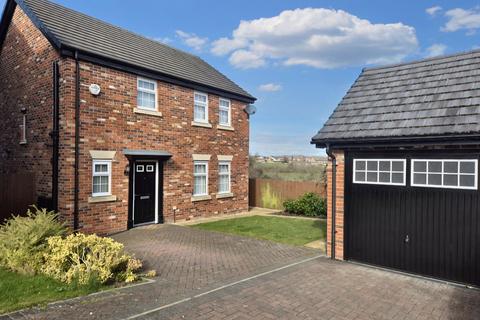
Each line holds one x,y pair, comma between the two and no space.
109,123
339,207
26,82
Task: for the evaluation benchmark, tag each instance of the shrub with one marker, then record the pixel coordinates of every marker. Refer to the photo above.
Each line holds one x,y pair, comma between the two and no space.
310,205
81,259
24,239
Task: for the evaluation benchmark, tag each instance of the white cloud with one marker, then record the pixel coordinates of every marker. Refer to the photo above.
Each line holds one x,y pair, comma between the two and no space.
192,40
322,38
165,40
433,10
436,49
459,19
270,87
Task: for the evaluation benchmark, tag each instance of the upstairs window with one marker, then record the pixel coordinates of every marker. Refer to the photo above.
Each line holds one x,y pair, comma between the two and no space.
445,173
200,109
102,178
224,177
23,130
379,171
200,175
146,94
224,112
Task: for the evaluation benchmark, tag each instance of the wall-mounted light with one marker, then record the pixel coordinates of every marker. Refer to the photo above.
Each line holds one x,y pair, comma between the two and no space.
126,171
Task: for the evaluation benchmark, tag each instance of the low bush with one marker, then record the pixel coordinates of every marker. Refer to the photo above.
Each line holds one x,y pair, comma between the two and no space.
310,205
23,240
84,258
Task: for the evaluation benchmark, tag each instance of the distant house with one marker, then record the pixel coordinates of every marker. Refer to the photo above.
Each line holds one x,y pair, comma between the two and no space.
116,129
404,146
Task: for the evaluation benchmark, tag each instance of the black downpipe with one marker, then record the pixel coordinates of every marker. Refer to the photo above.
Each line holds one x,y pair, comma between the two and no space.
55,136
334,197
77,142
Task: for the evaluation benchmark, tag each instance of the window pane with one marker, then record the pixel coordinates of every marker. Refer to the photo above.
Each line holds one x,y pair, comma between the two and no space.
397,166
360,165
360,176
397,178
467,167
467,180
372,177
200,185
372,165
384,177
199,113
224,103
434,166
146,100
434,179
223,168
450,179
419,178
223,114
101,168
224,183
200,168
200,98
384,165
450,167
146,85
420,166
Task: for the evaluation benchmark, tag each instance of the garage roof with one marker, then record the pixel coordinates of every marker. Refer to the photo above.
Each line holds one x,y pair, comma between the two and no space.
432,97
66,28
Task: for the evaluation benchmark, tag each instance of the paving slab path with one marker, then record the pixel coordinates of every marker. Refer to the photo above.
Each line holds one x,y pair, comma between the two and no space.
210,275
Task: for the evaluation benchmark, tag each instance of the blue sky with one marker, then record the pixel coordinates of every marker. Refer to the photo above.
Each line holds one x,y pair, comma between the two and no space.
297,57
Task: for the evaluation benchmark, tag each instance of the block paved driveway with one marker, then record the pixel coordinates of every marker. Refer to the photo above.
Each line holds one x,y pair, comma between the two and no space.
207,275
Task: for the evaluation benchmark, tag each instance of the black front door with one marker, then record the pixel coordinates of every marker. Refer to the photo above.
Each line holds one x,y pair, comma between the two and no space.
145,192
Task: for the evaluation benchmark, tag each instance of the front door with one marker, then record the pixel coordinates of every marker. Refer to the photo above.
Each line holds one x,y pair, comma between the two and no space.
145,192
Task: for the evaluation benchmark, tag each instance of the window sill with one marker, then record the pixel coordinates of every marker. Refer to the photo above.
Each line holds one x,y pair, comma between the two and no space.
201,124
102,199
147,112
201,198
224,195
228,128
23,142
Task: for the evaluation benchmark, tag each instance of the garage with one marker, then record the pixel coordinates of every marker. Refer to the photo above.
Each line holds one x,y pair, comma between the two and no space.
404,147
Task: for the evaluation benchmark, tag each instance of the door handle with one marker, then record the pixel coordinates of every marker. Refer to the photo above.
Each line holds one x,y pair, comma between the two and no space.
407,239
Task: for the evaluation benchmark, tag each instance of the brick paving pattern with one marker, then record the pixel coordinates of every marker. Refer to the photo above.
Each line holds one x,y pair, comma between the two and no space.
190,262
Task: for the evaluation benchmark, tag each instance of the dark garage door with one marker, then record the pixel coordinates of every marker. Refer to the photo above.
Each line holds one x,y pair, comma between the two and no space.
432,231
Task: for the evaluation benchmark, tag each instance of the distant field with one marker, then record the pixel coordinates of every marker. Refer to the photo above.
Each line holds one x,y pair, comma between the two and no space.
286,171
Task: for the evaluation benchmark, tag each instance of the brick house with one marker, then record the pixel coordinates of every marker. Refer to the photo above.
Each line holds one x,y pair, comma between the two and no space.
116,129
404,146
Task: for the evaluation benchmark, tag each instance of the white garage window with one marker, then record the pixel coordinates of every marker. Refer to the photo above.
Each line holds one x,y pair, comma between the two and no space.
445,173
379,171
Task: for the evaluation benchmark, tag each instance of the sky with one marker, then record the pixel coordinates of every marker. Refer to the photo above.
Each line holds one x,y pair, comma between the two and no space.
297,57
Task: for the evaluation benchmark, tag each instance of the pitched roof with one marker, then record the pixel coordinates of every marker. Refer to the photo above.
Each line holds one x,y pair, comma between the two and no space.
67,28
431,97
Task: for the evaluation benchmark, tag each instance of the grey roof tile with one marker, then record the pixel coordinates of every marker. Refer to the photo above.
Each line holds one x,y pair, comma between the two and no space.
81,32
430,97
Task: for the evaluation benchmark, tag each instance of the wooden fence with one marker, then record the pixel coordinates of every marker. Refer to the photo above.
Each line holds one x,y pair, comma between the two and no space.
17,193
269,193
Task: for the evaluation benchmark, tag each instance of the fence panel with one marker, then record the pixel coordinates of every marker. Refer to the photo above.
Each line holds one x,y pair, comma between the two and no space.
17,193
270,193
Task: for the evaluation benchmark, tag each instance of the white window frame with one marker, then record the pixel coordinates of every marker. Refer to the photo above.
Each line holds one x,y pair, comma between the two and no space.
23,130
154,91
404,161
200,103
229,110
442,173
102,174
229,164
200,162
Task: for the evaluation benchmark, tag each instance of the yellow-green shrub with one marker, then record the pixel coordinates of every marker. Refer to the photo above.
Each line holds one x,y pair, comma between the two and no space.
24,239
82,258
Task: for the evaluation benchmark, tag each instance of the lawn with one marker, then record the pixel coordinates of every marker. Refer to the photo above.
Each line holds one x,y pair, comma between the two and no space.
21,291
291,231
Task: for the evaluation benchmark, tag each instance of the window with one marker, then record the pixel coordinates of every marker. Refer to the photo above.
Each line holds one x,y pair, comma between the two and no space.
200,174
102,176
379,171
200,113
445,173
224,177
23,130
224,112
147,94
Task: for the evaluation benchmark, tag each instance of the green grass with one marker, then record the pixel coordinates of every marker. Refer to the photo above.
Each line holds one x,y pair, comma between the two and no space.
291,231
20,291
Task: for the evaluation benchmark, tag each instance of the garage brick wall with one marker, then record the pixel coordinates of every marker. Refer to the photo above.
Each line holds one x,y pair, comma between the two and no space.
26,82
339,206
